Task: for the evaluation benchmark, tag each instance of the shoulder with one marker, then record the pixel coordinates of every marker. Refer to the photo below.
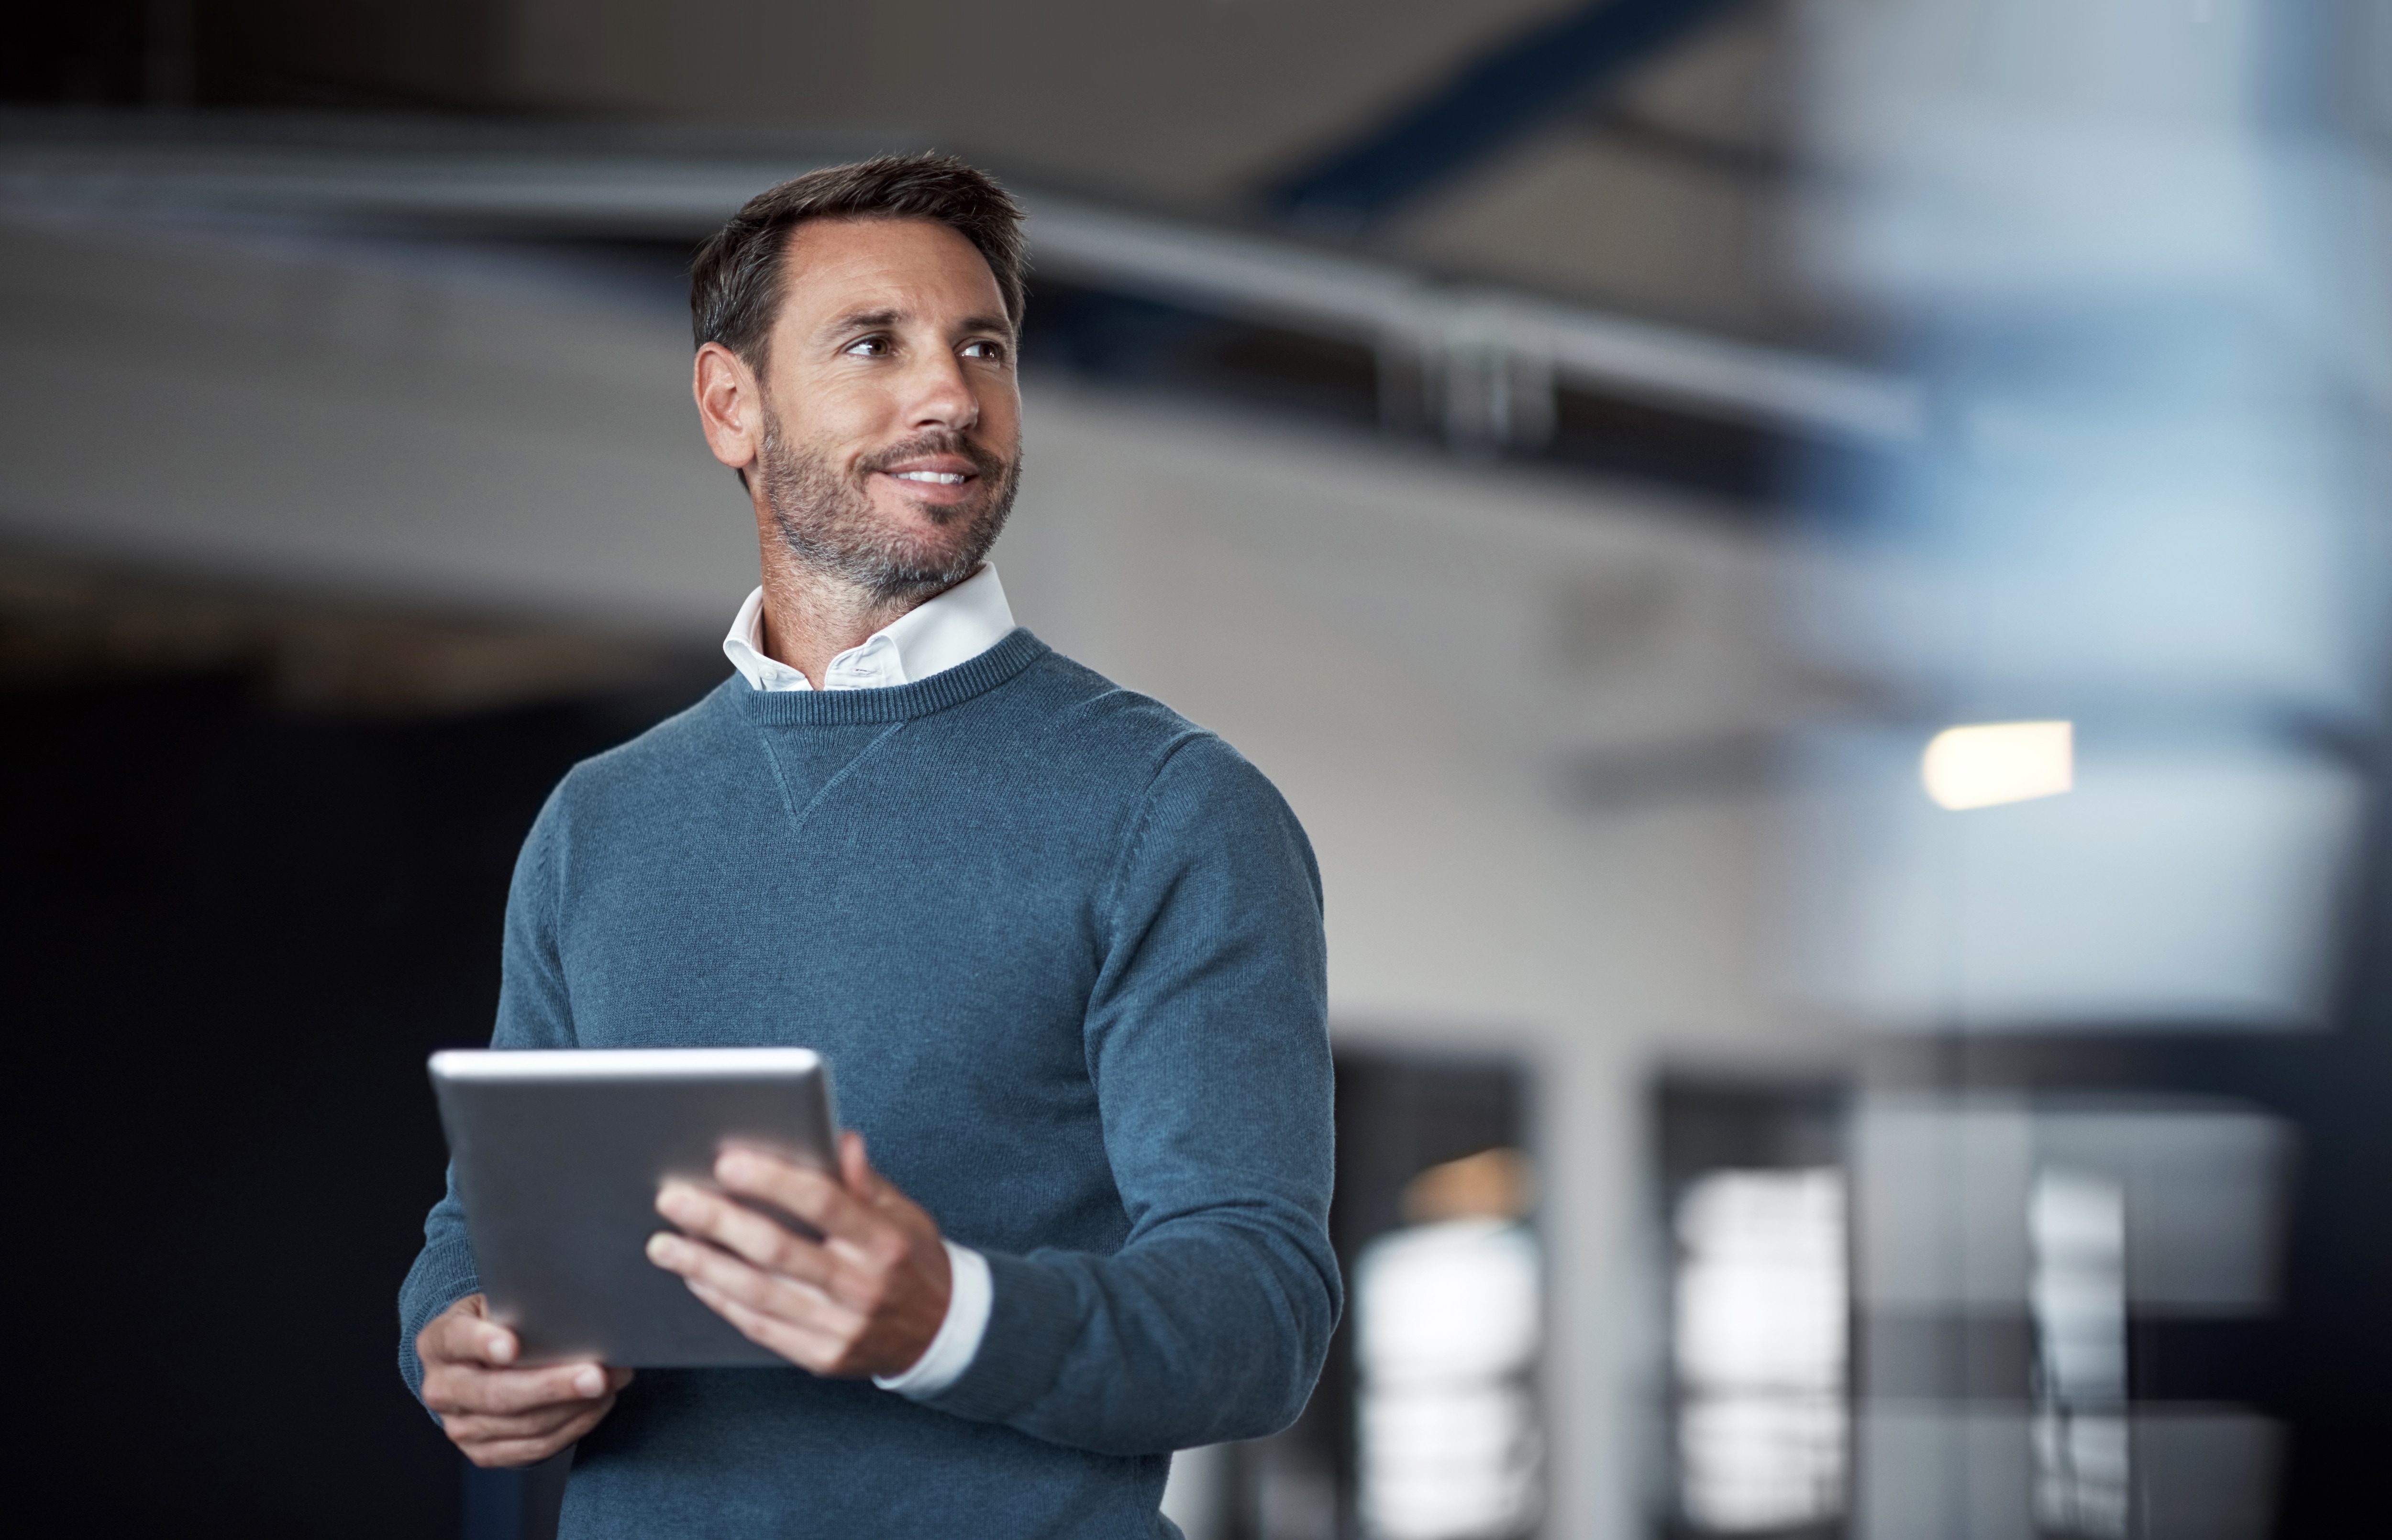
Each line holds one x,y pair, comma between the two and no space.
1187,782
658,763
1102,740
1085,716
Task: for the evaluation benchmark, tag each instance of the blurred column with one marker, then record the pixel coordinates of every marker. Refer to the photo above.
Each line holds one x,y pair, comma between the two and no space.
2128,250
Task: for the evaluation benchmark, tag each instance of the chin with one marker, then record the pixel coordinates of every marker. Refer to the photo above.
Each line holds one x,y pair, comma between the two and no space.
935,549
940,524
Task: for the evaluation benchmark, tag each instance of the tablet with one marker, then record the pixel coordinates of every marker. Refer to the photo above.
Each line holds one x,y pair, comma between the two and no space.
558,1158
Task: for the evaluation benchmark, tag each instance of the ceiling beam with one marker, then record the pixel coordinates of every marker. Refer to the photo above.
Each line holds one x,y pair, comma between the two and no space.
1524,82
146,171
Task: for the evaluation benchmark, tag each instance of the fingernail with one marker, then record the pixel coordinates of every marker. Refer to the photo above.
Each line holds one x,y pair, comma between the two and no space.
661,1247
503,1347
589,1383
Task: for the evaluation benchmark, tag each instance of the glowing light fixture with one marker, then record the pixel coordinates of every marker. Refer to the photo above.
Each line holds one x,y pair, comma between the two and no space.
1996,762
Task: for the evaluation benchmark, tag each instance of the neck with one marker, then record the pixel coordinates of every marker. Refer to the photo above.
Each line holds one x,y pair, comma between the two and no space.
810,617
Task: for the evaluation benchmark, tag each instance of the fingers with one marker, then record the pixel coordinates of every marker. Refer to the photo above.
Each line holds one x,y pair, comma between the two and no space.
757,1288
498,1415
744,1232
821,1199
848,1205
877,1191
468,1369
854,1270
513,1454
512,1416
540,1423
794,1319
870,1294
824,1352
494,1443
853,1169
507,1391
464,1334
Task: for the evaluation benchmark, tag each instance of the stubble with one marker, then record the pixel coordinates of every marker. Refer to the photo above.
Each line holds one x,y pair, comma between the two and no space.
828,523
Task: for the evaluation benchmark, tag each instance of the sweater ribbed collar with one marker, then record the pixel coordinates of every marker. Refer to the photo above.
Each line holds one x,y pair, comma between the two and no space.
896,703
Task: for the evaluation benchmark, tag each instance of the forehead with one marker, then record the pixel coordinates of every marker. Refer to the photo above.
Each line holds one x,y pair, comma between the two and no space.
917,266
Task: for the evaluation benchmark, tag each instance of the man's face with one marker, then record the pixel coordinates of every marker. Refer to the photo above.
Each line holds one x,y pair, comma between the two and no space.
893,420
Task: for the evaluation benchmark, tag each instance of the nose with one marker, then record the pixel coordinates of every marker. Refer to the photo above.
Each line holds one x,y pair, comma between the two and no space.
939,393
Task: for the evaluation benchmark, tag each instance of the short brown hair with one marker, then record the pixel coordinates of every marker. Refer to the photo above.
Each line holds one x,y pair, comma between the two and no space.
735,285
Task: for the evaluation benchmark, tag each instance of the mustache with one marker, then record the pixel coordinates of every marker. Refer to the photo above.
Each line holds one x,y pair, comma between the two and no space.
992,466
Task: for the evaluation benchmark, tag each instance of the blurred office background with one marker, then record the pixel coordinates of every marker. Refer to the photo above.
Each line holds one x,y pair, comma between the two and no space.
1593,455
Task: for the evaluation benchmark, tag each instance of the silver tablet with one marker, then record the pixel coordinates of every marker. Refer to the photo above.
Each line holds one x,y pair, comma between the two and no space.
559,1157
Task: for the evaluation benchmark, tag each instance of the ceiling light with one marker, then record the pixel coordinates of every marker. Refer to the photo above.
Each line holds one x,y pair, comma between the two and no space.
1997,762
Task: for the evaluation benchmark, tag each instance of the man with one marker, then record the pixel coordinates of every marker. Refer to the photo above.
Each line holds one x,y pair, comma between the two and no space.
1063,949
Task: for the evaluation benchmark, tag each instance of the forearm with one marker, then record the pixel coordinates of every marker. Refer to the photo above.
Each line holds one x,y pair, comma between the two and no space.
1207,1041
443,1273
1209,1331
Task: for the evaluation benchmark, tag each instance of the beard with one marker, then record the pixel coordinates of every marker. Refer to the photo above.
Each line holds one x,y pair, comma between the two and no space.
828,522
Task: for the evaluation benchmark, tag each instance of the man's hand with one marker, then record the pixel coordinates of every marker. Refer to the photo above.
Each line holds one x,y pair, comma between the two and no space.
864,1299
502,1415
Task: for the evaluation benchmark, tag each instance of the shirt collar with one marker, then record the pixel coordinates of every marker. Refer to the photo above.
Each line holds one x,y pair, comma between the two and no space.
956,626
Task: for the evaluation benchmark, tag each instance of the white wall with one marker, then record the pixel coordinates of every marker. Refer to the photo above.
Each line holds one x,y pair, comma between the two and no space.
292,417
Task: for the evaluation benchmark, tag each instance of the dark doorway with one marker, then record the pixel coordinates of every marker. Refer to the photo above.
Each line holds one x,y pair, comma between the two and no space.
233,933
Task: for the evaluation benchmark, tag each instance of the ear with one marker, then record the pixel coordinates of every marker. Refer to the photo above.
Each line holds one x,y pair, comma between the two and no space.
730,406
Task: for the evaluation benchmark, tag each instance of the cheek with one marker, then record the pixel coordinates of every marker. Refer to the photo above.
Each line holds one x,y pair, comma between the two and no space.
1000,421
845,416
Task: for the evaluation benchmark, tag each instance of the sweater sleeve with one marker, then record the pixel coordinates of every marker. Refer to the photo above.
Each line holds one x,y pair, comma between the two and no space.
1207,1039
533,1013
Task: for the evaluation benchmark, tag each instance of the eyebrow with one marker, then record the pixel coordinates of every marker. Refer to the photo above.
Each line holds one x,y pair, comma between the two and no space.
874,319
854,319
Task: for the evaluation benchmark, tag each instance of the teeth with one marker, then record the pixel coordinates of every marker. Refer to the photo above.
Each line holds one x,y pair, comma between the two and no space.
942,478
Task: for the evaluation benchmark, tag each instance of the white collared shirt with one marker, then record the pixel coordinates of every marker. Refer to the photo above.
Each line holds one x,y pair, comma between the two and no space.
932,638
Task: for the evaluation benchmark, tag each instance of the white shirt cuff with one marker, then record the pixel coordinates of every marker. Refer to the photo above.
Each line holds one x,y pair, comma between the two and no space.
971,1295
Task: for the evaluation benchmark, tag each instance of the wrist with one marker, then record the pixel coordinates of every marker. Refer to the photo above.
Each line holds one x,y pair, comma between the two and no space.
971,1295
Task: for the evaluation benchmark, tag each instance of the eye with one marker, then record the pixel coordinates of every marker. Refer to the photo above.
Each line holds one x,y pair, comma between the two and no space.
868,347
984,349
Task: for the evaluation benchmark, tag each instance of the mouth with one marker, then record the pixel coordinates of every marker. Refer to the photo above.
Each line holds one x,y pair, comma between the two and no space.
937,484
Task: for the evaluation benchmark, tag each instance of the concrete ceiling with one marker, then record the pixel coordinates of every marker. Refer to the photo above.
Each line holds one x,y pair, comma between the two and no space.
1658,185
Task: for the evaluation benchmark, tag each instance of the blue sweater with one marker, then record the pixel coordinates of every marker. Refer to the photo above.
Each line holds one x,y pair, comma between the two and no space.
1065,953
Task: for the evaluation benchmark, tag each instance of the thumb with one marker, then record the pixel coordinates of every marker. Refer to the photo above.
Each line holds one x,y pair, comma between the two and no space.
854,1170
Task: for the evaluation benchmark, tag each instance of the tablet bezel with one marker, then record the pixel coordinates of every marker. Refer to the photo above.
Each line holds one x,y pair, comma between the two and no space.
557,1155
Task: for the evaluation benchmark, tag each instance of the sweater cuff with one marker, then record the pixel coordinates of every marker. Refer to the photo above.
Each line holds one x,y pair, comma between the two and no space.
951,1351
1033,1318
442,1276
